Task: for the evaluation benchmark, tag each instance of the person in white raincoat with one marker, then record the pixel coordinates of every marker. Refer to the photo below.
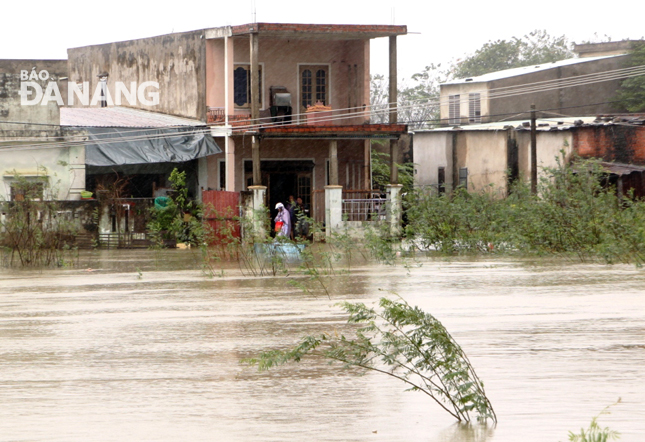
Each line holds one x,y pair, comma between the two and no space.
285,219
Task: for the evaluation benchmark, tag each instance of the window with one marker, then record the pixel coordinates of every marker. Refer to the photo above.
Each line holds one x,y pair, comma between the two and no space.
27,190
463,177
314,85
474,108
454,112
441,180
222,174
304,188
242,85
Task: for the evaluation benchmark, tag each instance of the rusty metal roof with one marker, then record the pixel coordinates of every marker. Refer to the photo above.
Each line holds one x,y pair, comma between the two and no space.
622,168
120,117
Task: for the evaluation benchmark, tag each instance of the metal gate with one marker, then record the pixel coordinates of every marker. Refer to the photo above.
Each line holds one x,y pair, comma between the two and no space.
222,213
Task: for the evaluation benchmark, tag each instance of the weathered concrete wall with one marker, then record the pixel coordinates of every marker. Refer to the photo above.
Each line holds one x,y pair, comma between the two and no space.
432,150
549,148
280,59
176,61
485,154
587,99
62,168
11,109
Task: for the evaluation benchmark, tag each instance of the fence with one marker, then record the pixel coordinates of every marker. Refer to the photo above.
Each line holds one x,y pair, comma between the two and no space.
363,205
358,205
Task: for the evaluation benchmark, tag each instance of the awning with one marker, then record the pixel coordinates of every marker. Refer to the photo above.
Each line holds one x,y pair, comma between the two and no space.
111,146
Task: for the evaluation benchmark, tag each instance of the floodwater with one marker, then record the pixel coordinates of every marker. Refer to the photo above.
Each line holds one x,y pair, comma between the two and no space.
145,347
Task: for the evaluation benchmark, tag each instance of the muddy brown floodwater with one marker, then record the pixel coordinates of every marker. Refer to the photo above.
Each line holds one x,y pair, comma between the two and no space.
142,348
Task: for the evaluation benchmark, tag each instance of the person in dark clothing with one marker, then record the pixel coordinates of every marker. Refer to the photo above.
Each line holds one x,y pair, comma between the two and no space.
301,219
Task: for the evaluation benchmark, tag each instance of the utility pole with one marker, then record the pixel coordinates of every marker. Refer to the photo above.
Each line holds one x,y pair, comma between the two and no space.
533,152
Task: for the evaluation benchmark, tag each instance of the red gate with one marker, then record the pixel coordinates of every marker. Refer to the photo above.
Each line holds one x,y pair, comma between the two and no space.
222,212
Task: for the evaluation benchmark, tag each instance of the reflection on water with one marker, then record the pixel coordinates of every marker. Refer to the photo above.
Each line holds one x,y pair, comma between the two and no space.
141,346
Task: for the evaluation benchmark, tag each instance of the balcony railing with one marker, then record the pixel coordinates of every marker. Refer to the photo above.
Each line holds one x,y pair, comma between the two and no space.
322,118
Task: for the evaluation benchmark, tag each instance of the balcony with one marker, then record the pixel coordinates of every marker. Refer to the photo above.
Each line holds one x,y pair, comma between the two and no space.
316,116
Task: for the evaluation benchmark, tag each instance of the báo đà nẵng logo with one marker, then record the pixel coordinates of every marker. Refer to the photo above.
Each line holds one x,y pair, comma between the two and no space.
33,94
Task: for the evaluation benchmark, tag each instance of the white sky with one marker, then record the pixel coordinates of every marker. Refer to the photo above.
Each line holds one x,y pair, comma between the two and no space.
440,31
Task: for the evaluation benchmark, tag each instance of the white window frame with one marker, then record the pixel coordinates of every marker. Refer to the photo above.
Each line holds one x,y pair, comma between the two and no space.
474,108
454,109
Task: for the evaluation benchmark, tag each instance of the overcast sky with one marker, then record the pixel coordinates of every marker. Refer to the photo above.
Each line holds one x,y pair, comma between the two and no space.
440,31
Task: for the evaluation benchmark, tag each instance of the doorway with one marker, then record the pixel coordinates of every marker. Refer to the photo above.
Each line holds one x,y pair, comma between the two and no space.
284,178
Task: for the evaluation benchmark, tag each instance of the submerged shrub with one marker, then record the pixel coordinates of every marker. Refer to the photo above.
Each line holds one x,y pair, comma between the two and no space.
575,213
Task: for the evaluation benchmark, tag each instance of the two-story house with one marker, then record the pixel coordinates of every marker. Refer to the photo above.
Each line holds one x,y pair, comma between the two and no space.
287,103
573,87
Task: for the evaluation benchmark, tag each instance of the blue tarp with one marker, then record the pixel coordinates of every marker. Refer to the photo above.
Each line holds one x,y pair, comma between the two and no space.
112,146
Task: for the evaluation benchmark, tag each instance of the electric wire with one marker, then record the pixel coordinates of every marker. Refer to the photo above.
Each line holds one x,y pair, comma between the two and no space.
353,112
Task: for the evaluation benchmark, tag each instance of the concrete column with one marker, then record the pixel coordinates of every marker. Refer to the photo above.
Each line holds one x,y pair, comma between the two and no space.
333,209
333,163
394,213
230,164
77,173
393,99
258,213
367,168
255,108
202,177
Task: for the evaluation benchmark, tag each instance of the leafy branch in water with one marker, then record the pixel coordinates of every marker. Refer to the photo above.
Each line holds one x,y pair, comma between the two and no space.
595,433
405,343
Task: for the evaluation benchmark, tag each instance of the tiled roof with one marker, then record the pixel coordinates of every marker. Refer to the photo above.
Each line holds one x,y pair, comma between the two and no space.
120,117
349,131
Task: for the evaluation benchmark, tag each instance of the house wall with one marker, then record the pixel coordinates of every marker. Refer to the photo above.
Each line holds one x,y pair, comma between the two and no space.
432,150
62,168
550,147
485,154
463,90
177,62
590,99
622,144
11,109
348,61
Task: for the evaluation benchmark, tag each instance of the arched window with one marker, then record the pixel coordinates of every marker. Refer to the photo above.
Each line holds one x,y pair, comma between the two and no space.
314,86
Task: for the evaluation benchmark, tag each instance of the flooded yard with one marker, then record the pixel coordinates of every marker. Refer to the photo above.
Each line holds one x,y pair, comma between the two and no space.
141,346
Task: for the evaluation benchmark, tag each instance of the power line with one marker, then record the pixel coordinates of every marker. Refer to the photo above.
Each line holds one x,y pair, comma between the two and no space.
352,112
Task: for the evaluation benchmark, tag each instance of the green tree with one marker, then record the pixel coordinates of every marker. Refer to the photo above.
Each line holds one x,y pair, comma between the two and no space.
534,48
405,343
379,104
631,95
419,97
381,171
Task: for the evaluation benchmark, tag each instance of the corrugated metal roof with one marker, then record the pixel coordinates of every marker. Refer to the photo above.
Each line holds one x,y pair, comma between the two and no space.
120,117
621,168
507,73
